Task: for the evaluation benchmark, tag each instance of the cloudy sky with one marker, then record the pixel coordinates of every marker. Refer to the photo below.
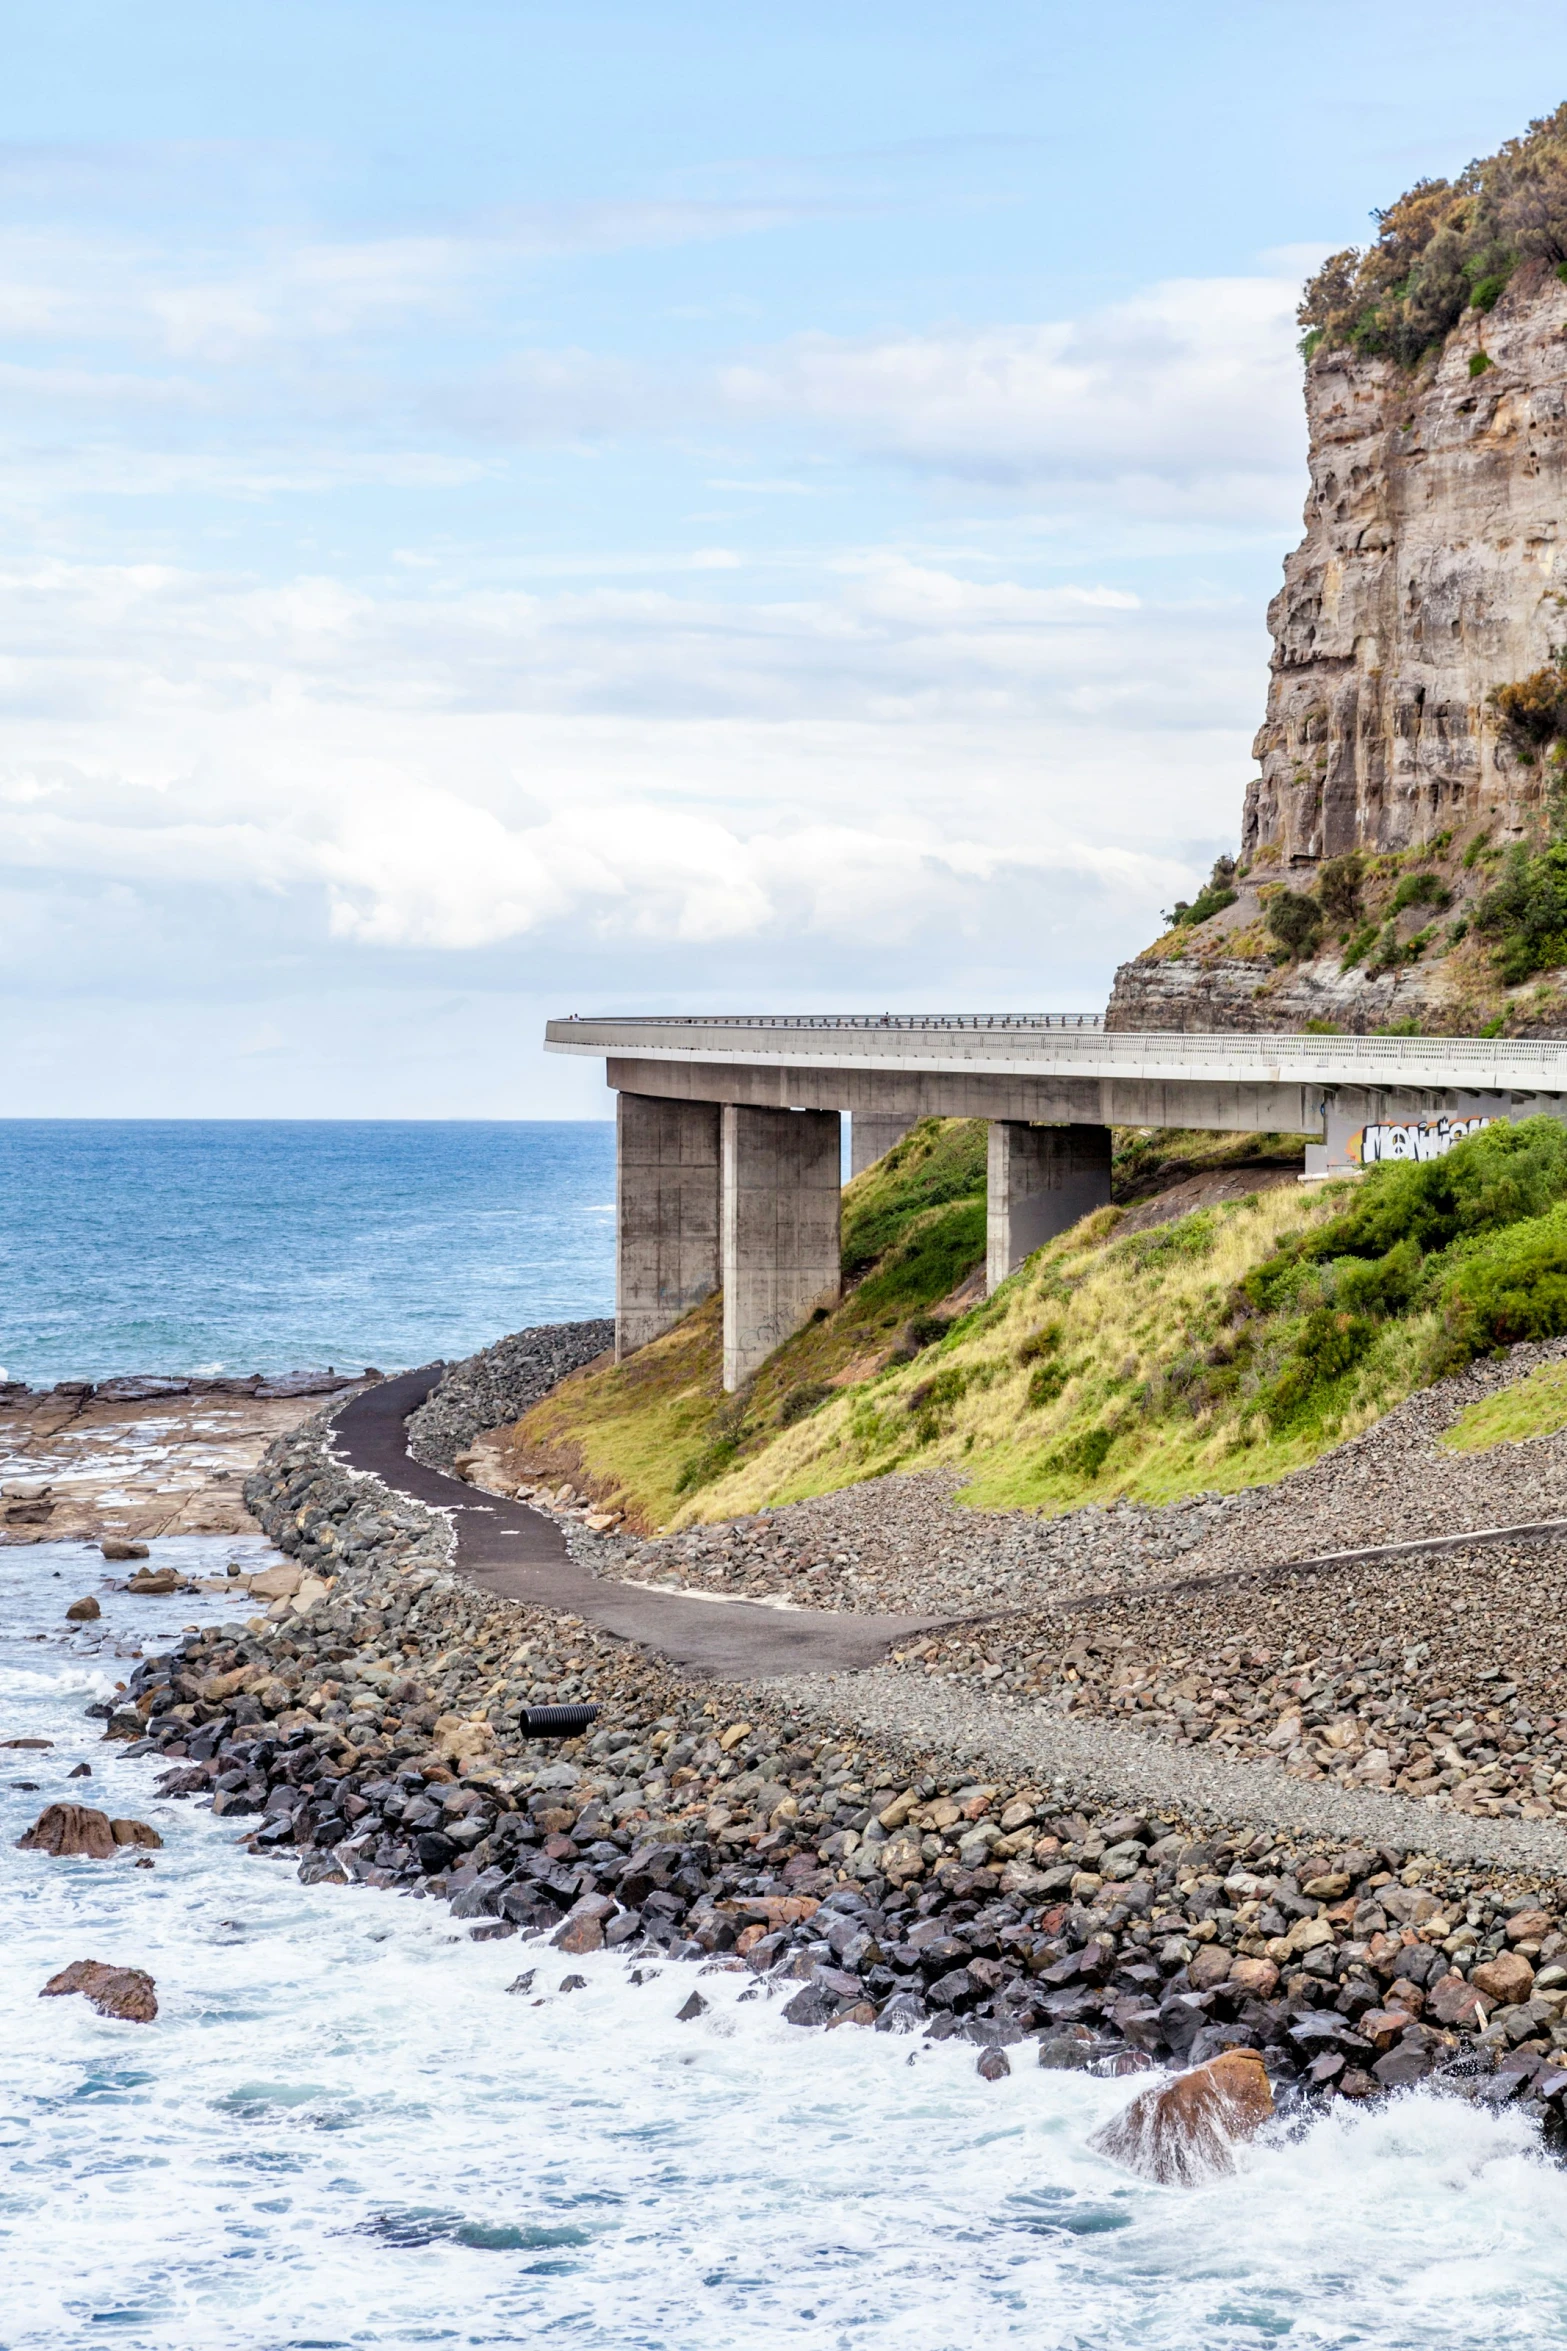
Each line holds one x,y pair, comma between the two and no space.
513,508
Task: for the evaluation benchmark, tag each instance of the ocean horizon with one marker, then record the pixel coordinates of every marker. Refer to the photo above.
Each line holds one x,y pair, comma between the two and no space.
273,1245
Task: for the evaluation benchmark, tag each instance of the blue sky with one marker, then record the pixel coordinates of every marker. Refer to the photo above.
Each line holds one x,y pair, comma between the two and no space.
514,509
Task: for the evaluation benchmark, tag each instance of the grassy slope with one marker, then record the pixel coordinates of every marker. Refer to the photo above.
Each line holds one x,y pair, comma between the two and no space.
1533,1407
640,1434
1216,1351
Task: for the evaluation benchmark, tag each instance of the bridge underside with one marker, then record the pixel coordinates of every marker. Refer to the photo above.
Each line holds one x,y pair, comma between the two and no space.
727,1170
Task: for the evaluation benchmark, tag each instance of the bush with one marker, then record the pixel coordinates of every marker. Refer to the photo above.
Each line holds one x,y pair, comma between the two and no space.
1533,710
1045,1385
933,1394
1338,888
1515,1289
1421,889
1216,893
927,1329
1085,1456
1039,1344
1525,914
1295,922
1444,247
1500,1176
802,1400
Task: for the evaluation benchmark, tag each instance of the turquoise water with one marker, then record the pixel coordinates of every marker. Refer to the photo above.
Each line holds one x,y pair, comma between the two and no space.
279,1245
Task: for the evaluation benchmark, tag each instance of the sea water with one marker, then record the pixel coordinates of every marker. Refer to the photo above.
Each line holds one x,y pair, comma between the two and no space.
281,1245
348,2127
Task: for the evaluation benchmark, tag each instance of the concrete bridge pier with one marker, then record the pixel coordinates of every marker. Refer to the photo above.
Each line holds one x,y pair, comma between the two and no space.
1039,1181
667,1164
871,1137
781,1254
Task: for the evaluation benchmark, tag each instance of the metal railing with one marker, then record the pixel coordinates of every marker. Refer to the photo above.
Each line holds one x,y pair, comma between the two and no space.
836,1020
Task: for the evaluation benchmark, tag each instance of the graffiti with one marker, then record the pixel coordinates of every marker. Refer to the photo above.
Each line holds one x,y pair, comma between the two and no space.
1411,1139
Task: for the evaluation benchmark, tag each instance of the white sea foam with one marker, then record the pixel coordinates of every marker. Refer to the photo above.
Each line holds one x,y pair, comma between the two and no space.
343,2130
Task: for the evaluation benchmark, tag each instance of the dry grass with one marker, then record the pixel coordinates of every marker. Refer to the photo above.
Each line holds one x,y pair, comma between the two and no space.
1105,1322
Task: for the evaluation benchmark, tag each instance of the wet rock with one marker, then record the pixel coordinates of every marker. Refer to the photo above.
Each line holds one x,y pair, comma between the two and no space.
69,1829
993,2065
154,1582
1187,2132
694,2007
135,1832
116,1547
124,1992
83,1611
80,1771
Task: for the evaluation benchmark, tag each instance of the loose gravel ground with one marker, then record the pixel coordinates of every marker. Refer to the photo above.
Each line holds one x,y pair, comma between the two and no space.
500,1383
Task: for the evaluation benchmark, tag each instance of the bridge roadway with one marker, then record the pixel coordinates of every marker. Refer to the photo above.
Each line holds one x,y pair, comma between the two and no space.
728,1151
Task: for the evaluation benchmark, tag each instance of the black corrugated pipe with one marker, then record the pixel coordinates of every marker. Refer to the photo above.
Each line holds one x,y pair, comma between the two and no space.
556,1722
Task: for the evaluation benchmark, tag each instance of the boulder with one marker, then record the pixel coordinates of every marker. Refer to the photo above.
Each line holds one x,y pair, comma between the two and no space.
125,1992
1187,2132
156,1581
84,1611
117,1547
277,1583
1211,1966
64,1829
1507,1978
136,1832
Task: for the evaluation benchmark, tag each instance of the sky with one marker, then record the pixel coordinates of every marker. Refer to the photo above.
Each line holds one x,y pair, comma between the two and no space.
515,509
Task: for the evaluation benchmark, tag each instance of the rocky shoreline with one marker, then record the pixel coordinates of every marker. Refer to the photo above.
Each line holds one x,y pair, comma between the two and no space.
370,1734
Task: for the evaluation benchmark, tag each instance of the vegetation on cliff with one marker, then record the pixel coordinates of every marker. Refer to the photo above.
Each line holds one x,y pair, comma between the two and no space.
1445,247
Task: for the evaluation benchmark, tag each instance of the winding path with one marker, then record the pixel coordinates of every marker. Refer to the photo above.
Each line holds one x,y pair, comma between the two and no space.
517,1553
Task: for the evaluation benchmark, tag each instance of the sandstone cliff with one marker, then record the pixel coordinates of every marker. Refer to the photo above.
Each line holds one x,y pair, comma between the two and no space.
1432,573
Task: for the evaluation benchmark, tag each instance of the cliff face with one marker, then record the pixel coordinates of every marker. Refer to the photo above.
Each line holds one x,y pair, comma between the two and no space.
1433,569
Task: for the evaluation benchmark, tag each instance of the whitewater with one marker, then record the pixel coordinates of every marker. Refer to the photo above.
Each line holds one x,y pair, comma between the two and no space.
348,2126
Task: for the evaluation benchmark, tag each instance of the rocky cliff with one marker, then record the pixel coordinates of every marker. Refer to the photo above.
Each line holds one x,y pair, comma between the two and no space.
1432,574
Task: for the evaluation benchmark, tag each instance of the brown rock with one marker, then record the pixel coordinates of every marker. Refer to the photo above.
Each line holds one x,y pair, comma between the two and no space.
116,1547
1256,1978
83,1611
1211,1966
65,1829
136,1832
125,1992
1528,1926
1187,2132
993,2066
1451,2001
1383,2026
578,1935
155,1581
1508,1977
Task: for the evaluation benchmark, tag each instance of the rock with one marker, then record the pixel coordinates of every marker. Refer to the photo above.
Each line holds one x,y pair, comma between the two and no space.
993,2065
116,1547
66,1829
136,1832
1506,1978
523,1983
124,1992
153,1583
579,1983
1403,2065
84,1611
1256,1978
80,1771
696,2006
1211,1966
1525,1926
1186,2132
583,1927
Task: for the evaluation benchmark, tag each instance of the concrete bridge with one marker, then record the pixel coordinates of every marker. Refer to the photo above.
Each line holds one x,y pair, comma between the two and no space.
728,1150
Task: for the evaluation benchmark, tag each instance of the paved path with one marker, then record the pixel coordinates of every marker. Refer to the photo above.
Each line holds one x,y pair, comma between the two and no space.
519,1554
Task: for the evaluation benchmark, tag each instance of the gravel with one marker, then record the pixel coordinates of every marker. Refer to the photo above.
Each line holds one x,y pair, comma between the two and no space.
499,1383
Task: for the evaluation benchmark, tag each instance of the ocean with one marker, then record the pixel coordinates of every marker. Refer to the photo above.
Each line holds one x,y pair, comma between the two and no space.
181,1245
350,2126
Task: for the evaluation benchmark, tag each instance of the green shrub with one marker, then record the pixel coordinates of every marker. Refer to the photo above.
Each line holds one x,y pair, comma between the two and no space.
1040,1343
1338,888
1217,892
945,1388
802,1400
1525,913
1421,889
1505,1173
1085,1456
1331,1343
926,1330
1479,361
1359,947
1296,922
1045,1384
1486,296
1515,1288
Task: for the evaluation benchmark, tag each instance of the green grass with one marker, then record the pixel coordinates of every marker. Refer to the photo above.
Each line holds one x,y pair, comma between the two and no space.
1532,1407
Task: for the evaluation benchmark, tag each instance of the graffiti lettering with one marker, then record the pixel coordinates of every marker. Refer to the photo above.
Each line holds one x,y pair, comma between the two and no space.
1415,1139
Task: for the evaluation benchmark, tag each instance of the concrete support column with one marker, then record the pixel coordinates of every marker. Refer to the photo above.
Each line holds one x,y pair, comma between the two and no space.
781,1251
1040,1180
666,1214
870,1137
